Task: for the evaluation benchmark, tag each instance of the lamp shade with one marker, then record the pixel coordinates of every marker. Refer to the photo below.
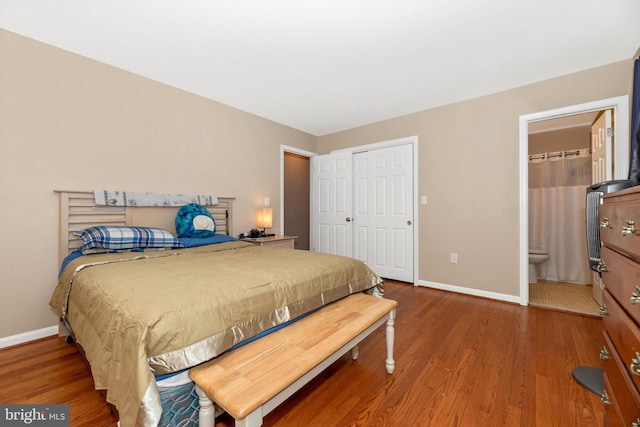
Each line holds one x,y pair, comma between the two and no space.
265,218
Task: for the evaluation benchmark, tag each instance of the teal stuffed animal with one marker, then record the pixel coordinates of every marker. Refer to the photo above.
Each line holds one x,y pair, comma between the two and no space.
194,220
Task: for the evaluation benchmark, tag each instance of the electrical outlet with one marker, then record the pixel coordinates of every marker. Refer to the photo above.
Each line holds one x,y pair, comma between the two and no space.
454,258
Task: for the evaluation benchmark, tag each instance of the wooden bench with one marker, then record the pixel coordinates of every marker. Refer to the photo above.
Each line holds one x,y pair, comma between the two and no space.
252,380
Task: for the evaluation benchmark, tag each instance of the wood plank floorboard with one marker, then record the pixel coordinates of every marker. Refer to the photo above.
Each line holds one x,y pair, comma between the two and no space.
460,361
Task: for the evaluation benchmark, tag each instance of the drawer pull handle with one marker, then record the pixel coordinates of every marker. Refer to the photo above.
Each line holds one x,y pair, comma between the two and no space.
635,365
635,296
604,398
629,227
604,223
604,353
603,310
601,267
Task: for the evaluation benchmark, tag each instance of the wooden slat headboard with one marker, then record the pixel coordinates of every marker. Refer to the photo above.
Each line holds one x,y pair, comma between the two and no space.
79,211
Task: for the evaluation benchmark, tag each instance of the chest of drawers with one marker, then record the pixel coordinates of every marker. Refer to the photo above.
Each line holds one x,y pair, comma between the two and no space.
620,267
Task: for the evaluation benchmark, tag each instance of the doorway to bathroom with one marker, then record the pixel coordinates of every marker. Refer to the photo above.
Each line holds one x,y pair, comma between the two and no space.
552,120
559,173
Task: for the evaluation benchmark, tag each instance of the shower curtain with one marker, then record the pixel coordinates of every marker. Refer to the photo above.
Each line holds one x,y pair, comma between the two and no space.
557,193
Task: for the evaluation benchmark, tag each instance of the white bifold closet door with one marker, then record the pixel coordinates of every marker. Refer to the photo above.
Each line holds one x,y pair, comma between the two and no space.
362,207
331,204
383,211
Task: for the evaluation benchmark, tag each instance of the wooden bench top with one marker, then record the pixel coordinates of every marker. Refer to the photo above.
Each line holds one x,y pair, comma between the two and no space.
244,379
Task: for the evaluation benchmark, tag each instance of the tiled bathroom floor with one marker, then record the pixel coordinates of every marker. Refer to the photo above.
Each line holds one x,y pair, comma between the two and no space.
564,297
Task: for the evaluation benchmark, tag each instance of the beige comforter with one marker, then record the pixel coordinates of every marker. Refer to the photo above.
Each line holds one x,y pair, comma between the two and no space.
137,315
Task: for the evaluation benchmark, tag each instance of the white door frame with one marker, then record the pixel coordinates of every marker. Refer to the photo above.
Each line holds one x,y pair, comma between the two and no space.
620,106
294,150
413,140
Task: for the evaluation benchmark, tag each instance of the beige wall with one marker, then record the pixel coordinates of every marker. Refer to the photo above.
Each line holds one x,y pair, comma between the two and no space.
468,168
560,140
68,122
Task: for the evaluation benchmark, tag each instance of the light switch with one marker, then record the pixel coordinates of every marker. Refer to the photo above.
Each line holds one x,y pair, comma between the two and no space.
423,200
267,201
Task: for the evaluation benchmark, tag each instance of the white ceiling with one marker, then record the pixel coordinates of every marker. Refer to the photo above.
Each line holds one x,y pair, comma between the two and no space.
323,66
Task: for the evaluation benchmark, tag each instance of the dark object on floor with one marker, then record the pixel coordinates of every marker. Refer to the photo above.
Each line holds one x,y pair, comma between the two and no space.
590,378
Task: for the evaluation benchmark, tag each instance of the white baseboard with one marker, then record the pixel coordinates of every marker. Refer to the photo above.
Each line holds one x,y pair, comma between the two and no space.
28,336
470,291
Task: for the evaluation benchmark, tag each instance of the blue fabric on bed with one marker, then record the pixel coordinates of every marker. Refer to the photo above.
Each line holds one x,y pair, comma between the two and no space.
192,242
72,255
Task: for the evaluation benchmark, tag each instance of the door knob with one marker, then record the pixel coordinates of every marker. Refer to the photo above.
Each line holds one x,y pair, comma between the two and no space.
408,222
348,219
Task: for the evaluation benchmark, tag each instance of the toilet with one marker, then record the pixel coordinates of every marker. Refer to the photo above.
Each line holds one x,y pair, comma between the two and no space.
536,256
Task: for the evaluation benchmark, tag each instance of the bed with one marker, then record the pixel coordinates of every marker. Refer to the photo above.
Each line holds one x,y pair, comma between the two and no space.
143,317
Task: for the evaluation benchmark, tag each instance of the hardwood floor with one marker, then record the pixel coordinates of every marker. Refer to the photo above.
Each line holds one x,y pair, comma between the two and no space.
460,361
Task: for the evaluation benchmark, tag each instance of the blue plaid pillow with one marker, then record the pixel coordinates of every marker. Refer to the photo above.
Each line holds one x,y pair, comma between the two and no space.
121,237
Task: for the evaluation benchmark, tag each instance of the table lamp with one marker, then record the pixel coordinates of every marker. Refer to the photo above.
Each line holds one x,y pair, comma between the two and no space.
265,220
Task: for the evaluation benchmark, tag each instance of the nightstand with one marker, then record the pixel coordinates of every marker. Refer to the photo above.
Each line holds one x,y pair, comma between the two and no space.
286,242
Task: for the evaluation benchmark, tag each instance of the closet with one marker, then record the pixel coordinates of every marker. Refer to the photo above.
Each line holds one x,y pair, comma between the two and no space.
362,206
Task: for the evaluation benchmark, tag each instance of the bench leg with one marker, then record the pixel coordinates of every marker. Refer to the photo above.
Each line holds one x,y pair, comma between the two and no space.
254,419
207,414
390,363
355,352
